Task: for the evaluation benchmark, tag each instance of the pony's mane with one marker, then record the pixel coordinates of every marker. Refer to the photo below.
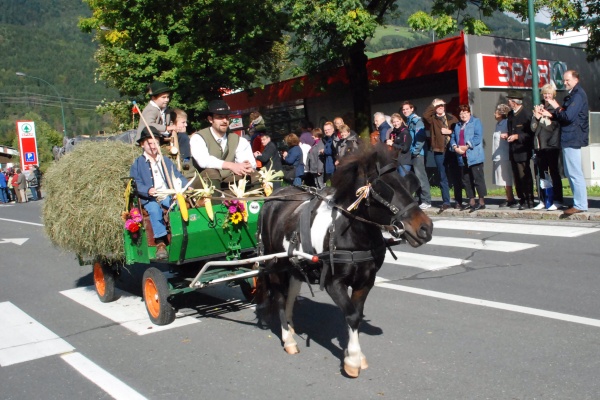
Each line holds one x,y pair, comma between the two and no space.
351,172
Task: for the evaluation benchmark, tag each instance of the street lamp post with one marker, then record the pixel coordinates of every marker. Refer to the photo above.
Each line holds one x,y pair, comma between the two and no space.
62,109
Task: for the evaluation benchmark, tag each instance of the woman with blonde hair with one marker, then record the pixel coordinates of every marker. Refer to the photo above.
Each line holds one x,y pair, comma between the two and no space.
546,145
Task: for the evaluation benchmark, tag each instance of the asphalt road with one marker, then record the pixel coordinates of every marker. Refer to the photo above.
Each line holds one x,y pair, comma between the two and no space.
499,311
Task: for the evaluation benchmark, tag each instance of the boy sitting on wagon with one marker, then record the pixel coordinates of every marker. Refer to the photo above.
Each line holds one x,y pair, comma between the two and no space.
150,176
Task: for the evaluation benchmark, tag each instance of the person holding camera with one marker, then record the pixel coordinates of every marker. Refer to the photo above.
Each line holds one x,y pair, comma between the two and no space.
546,145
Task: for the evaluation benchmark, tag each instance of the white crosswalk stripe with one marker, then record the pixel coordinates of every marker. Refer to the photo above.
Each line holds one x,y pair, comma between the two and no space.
521,229
477,244
128,310
423,261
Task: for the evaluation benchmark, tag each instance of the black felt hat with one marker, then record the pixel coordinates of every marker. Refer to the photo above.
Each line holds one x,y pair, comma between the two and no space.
144,134
514,94
156,88
218,107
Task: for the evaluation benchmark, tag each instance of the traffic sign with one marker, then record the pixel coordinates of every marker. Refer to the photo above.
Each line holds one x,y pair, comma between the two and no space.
27,144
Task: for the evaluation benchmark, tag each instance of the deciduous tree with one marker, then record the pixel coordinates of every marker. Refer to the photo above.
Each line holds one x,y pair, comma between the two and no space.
199,48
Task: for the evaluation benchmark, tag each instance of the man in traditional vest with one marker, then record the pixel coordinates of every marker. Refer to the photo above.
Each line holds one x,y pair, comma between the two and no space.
218,155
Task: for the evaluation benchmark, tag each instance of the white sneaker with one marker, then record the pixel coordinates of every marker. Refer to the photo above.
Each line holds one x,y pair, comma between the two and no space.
424,206
539,206
558,204
552,207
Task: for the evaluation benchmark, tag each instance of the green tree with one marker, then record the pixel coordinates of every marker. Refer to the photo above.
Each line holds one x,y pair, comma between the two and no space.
446,16
200,48
329,34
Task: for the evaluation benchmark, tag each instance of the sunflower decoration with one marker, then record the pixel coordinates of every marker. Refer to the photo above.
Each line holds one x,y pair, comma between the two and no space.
239,190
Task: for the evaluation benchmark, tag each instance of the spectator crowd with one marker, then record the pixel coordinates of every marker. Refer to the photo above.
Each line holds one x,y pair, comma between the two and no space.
527,146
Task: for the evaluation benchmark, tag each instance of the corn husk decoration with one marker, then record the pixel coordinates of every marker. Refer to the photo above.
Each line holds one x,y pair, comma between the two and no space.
177,191
239,190
267,176
206,193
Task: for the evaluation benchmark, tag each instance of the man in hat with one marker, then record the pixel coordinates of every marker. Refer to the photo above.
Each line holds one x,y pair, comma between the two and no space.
520,140
217,154
155,113
441,126
150,177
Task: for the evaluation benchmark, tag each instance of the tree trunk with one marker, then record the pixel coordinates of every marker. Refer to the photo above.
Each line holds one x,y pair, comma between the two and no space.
356,70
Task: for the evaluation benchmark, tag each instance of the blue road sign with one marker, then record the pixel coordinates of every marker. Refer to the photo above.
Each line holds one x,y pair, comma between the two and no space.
30,157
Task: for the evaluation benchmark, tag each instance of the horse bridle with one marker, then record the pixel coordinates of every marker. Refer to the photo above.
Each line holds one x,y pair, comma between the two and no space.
397,213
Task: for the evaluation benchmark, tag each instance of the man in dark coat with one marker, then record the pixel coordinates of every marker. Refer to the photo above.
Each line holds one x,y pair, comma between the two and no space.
573,117
520,139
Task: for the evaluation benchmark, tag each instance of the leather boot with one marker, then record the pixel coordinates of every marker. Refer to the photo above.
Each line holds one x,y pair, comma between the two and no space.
161,251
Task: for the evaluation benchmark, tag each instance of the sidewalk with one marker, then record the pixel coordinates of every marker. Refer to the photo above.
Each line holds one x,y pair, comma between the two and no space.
493,211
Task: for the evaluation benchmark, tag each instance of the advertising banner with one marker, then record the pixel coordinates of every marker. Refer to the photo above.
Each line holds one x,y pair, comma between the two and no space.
500,72
27,144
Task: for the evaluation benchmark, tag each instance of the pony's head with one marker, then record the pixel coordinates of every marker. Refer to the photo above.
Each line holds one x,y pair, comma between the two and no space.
387,198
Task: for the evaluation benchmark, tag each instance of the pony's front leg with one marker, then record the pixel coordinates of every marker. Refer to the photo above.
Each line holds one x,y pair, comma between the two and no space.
287,325
358,299
353,355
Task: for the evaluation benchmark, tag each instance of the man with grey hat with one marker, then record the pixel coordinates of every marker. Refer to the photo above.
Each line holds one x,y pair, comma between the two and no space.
217,154
155,113
520,141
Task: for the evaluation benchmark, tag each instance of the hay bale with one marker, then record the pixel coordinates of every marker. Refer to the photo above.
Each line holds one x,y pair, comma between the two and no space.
84,199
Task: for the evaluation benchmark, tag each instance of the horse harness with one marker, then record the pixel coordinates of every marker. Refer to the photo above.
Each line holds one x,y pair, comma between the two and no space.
329,258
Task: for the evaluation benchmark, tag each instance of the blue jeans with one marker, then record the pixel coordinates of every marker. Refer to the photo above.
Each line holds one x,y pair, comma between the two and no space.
424,193
34,193
3,194
297,181
440,159
574,171
404,169
156,215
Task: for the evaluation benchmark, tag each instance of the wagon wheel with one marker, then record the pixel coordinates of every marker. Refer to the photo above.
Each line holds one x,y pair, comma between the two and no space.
156,292
104,281
248,287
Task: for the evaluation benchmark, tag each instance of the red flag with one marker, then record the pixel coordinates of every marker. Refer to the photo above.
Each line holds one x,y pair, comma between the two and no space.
134,110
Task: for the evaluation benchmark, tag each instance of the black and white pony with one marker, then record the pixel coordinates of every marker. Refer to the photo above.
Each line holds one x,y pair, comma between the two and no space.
350,244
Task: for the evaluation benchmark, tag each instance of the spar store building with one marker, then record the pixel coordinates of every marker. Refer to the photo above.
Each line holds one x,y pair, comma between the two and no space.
466,69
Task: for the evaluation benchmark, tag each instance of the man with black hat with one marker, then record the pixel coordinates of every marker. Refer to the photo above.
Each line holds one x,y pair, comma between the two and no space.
520,140
148,171
155,113
217,154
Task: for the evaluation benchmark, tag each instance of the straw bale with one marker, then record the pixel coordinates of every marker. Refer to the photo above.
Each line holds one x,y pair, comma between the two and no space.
84,199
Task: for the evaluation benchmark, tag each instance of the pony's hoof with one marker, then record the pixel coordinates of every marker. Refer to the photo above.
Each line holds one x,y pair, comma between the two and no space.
291,349
352,372
363,363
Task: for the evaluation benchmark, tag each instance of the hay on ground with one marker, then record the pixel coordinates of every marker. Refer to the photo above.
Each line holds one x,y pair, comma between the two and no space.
84,199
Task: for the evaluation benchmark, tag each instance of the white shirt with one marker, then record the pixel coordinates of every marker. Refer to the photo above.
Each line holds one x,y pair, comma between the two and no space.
157,173
200,151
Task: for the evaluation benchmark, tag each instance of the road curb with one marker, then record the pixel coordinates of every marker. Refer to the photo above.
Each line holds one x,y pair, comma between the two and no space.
514,214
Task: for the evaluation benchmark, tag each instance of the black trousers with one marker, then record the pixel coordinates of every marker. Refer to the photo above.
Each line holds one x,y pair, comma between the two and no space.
546,160
473,179
523,180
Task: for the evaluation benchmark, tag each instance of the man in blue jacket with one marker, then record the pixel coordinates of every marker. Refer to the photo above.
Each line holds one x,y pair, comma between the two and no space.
150,177
573,118
419,137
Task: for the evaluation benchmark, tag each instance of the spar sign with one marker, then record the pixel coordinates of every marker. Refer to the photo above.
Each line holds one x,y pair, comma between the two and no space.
27,144
500,72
